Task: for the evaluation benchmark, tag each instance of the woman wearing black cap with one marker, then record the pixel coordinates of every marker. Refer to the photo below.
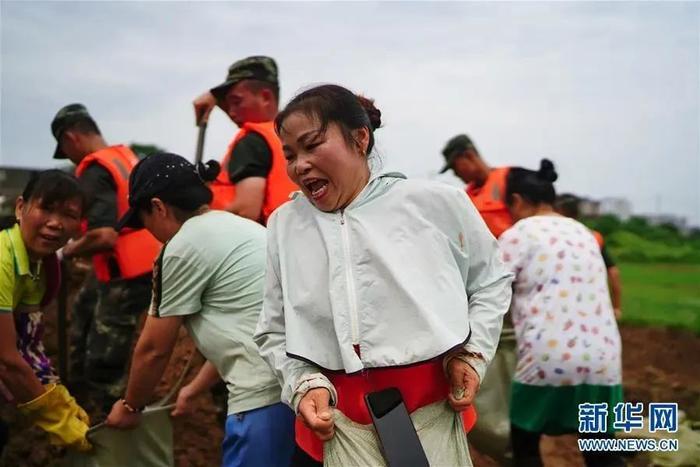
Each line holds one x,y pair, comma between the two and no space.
209,277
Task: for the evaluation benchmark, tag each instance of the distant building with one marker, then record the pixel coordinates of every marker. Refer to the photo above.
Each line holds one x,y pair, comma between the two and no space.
589,208
618,207
622,209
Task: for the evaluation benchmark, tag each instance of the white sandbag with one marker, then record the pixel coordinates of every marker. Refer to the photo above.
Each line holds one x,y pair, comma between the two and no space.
439,429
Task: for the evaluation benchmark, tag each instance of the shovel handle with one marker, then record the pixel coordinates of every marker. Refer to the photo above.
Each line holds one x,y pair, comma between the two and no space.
200,141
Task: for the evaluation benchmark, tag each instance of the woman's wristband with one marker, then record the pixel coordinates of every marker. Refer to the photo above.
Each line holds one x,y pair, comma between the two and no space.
131,408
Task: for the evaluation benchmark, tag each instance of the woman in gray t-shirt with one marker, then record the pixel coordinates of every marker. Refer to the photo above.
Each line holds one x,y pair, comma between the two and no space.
209,278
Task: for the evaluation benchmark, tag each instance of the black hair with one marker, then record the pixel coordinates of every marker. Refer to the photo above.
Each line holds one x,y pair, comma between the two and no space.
257,85
84,125
51,188
330,103
208,171
567,204
536,187
187,198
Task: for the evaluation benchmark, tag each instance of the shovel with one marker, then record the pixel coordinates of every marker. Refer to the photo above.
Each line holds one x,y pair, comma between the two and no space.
202,125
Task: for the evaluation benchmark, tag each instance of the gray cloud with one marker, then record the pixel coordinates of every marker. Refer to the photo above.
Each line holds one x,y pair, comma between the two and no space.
609,91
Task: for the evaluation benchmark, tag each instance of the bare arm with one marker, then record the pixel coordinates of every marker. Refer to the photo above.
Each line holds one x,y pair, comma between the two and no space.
250,194
203,105
94,241
207,377
15,372
148,364
150,358
615,284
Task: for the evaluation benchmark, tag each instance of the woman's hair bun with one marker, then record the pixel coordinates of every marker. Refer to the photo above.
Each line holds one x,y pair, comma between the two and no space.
208,171
547,171
374,114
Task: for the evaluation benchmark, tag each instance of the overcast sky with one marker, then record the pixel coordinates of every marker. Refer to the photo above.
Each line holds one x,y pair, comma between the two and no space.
608,91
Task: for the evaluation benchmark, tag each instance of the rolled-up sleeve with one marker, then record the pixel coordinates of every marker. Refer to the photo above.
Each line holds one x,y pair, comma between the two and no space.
488,286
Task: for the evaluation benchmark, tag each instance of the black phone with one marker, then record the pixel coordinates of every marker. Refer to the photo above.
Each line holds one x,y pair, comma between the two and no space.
398,439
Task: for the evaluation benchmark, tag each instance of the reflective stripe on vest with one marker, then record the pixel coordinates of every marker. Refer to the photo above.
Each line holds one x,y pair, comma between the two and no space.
490,201
134,250
278,186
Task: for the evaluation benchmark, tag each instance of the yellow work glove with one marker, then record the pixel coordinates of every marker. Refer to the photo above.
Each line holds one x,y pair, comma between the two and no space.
57,413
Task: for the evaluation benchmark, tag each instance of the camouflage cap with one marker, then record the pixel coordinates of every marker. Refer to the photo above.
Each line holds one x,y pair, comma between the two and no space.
455,147
63,119
258,67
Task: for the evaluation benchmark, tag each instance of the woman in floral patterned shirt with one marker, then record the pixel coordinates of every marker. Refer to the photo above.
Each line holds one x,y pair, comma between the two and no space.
569,350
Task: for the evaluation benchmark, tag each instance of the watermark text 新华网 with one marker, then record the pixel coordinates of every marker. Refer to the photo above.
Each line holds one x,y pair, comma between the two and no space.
593,419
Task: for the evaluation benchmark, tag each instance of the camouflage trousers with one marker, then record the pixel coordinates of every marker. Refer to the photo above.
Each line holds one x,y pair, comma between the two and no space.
81,316
103,328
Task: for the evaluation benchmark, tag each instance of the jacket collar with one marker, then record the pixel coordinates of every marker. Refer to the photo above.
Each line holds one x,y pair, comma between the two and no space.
377,184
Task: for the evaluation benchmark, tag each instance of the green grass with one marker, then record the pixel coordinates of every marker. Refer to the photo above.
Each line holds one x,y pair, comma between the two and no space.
661,295
630,247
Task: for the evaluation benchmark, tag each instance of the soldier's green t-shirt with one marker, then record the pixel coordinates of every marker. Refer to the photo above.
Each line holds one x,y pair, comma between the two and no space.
212,272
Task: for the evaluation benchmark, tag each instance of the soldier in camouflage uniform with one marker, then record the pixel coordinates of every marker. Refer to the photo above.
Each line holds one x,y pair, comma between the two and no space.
103,333
81,316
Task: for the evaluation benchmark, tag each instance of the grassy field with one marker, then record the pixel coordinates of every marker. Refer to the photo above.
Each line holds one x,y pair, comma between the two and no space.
661,295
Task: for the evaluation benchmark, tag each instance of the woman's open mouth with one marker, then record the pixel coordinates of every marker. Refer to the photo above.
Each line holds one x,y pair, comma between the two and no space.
317,187
50,238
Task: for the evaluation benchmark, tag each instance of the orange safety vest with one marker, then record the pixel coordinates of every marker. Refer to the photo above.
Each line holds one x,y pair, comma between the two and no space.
490,200
598,238
278,186
135,249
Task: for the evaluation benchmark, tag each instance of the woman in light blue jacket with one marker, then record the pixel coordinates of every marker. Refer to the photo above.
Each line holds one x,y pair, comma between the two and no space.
368,273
